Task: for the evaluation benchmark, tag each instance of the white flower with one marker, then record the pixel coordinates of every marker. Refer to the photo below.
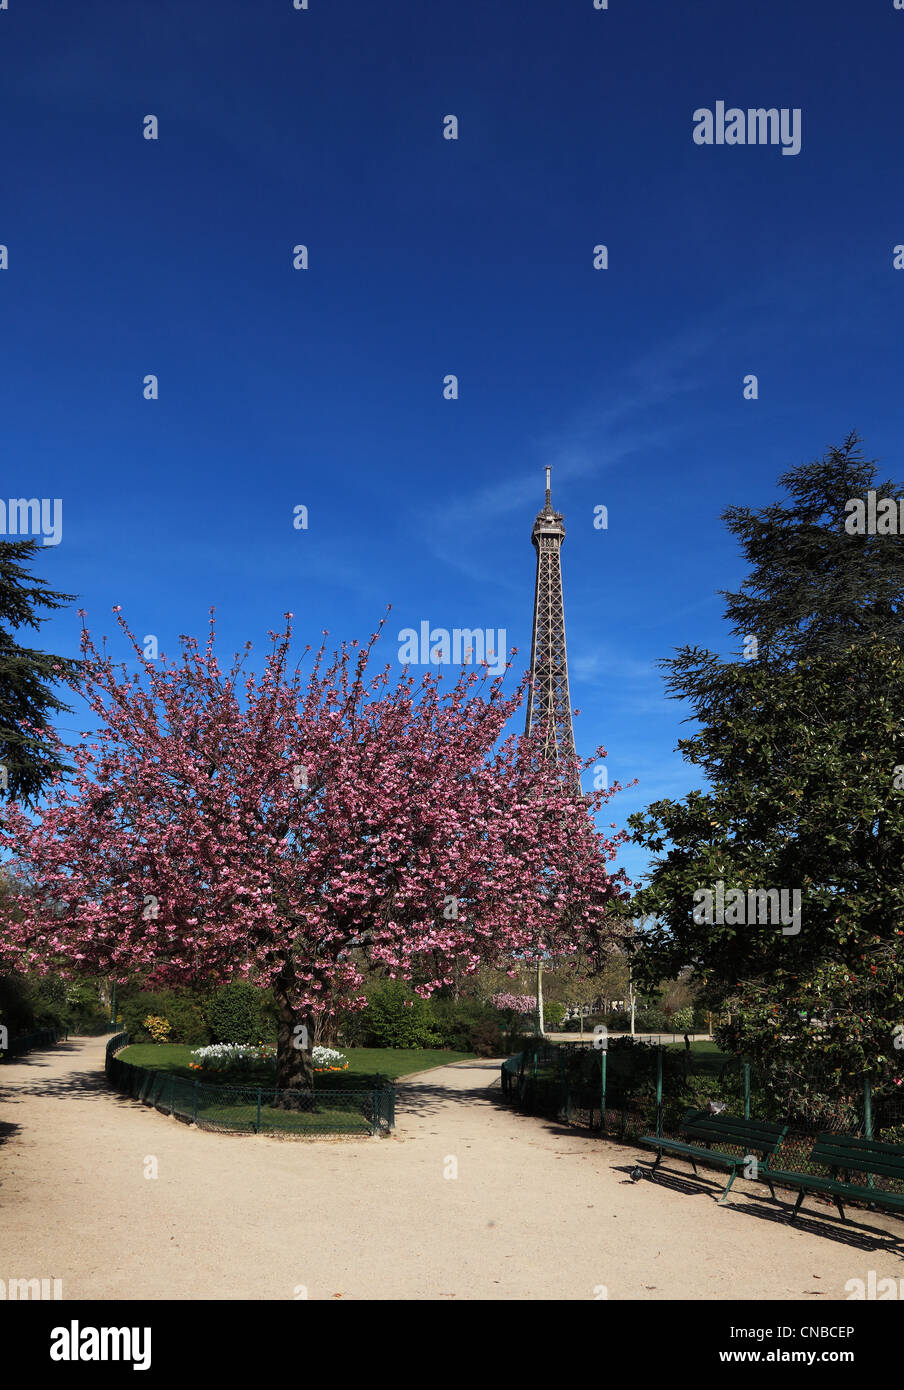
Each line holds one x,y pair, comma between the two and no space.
328,1057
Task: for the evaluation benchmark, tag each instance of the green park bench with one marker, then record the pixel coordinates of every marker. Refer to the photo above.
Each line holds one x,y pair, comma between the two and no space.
847,1154
759,1137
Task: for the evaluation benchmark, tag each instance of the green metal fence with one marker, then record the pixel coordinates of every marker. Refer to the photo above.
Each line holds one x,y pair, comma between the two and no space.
29,1042
254,1109
633,1088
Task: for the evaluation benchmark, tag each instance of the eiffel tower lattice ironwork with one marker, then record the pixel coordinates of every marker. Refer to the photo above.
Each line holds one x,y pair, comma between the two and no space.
549,701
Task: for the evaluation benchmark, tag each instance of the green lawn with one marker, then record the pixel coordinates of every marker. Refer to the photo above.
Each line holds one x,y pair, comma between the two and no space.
233,1100
364,1063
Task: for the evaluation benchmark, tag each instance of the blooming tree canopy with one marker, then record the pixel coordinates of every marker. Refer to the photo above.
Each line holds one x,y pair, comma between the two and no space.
514,1003
285,829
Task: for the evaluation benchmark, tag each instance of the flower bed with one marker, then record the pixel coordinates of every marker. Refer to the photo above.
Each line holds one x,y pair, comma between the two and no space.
328,1059
225,1057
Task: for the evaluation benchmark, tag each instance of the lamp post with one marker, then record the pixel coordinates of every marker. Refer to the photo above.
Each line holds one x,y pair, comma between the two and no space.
539,996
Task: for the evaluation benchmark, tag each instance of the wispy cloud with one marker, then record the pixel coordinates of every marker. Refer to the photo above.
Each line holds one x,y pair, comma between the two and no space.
603,434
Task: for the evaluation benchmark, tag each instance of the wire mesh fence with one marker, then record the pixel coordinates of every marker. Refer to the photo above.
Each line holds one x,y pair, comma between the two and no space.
632,1088
30,1042
251,1109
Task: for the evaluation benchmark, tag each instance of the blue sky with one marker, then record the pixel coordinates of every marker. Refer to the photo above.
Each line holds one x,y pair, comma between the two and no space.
324,387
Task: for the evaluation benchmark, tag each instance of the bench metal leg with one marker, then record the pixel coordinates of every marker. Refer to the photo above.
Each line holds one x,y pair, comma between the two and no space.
734,1174
694,1166
839,1206
658,1159
800,1198
771,1190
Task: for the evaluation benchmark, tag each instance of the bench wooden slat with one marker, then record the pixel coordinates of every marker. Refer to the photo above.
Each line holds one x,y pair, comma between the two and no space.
858,1141
731,1135
761,1136
815,1183
847,1153
865,1158
692,1151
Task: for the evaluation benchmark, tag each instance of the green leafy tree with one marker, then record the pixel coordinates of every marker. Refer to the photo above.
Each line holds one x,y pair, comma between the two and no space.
235,1014
813,587
27,760
800,745
396,1017
806,769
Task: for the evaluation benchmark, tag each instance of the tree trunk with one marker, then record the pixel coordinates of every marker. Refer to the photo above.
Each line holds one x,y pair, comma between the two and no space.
327,1031
294,1052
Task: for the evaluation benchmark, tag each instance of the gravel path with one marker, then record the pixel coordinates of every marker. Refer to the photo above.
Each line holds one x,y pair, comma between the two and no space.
535,1212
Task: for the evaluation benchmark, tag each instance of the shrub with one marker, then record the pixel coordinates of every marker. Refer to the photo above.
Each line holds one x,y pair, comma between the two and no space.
466,1025
48,1001
552,1016
158,1028
488,1038
16,1004
681,1021
183,1014
235,1015
472,1025
396,1017
29,1002
84,1011
352,1028
652,1021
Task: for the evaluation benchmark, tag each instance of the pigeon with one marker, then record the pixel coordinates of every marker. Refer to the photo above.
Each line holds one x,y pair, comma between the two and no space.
636,1174
715,1107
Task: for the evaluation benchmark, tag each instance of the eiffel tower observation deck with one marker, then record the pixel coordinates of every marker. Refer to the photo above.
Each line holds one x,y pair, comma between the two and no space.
549,701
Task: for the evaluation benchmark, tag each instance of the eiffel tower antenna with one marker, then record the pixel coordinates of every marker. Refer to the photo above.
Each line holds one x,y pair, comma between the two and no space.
549,701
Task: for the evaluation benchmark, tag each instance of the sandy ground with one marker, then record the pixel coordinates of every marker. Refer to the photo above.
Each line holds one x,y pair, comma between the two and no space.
535,1212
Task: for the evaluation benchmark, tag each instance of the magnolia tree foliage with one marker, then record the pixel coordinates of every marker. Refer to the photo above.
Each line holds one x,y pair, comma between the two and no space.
806,774
286,830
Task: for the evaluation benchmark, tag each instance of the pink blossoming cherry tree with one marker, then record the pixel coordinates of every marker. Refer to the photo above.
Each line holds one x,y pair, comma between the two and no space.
285,829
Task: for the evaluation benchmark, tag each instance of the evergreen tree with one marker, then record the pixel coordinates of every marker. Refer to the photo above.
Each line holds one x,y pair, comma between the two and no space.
806,807
27,759
813,589
801,744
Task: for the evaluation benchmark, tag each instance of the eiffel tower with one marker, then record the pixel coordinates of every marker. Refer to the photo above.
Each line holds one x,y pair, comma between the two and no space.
549,702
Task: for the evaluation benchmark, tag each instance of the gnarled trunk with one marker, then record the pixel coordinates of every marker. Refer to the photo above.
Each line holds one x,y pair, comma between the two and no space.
294,1051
